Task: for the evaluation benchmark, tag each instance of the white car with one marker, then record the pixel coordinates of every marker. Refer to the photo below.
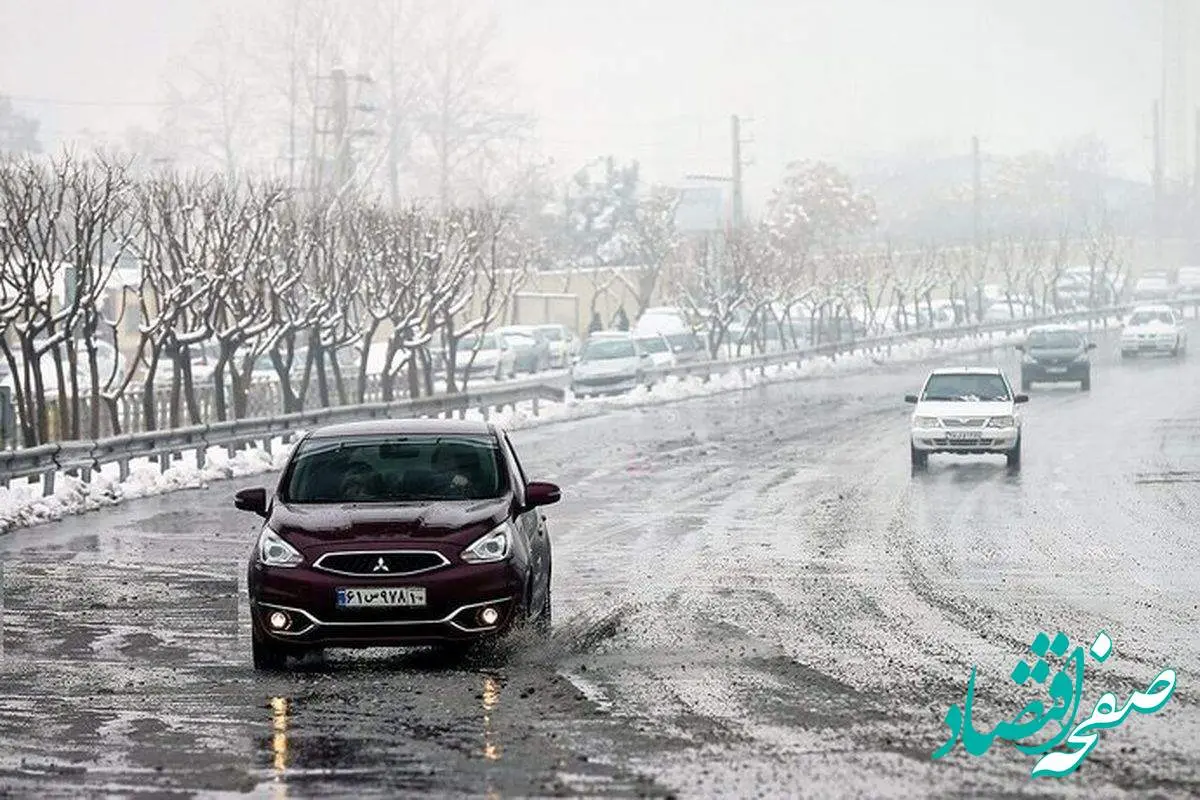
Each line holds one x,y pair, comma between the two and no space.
661,319
968,411
660,350
1154,329
493,356
609,363
564,344
1152,287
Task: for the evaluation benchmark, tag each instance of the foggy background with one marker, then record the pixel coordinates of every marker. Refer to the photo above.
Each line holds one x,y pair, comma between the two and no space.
657,81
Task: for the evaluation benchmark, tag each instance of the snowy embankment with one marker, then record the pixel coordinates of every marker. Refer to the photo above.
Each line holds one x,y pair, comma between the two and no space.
22,504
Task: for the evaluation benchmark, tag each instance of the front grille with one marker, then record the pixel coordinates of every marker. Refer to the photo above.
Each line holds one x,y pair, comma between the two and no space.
604,381
369,564
964,422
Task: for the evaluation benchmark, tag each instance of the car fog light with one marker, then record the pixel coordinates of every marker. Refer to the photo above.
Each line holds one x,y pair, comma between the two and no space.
489,616
278,620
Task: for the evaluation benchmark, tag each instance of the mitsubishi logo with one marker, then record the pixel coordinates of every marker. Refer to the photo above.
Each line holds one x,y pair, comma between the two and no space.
380,566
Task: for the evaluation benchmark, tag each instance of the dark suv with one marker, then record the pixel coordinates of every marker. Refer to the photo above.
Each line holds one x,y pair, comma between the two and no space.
397,533
1056,354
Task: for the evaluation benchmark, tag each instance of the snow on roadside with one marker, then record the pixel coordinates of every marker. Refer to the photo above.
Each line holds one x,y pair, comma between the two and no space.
22,504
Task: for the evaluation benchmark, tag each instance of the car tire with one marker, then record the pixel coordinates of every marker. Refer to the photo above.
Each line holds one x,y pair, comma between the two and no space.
545,621
1013,457
920,460
1127,354
267,656
1085,385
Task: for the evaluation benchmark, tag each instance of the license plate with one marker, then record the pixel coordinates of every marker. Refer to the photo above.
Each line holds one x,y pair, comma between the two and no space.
962,436
1056,370
406,596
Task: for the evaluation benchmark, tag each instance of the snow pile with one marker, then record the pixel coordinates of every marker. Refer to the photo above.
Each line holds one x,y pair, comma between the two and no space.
22,504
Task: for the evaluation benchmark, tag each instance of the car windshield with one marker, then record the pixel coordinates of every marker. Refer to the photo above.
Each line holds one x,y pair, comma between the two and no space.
520,339
1147,317
966,387
1058,340
394,469
653,344
553,334
602,349
485,342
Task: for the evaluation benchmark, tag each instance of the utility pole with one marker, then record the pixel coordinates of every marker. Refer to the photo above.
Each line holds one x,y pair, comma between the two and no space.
339,109
736,125
976,193
1158,185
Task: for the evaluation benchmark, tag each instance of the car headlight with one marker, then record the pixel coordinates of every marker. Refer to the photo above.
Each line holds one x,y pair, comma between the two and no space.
1001,422
273,551
493,546
926,422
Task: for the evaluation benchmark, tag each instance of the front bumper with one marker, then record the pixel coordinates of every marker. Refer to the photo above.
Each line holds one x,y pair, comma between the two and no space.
1148,344
454,598
1052,373
977,441
608,385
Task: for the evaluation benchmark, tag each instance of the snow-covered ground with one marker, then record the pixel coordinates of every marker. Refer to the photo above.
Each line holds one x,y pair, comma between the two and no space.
22,504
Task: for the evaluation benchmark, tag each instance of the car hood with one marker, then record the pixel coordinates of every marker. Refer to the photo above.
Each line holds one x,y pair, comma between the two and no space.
969,408
1150,327
313,525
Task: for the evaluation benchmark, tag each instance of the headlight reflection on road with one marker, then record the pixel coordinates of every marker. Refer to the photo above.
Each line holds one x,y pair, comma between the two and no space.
279,742
491,698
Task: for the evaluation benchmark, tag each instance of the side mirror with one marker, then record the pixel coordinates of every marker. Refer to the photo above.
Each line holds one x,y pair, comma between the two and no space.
910,398
252,500
1091,346
539,493
1021,398
1020,348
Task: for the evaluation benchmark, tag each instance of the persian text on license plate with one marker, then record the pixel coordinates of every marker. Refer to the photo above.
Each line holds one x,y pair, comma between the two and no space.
963,436
405,596
1056,370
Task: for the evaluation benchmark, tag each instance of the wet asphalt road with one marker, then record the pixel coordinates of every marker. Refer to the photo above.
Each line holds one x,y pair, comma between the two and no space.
754,597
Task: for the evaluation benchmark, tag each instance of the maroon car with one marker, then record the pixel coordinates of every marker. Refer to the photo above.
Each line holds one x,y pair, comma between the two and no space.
398,533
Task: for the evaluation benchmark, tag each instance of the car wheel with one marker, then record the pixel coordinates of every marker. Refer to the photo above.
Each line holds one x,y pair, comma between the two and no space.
268,656
1086,383
1127,354
1013,457
545,620
920,460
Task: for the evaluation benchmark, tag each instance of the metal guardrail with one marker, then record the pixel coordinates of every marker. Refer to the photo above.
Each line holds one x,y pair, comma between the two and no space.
84,457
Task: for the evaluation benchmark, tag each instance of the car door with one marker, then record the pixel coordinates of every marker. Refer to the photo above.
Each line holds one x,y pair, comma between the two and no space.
531,525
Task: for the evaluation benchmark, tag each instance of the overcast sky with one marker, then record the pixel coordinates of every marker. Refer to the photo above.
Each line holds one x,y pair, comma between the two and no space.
657,80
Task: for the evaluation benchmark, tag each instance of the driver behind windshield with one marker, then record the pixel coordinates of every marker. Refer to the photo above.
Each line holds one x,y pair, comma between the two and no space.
986,388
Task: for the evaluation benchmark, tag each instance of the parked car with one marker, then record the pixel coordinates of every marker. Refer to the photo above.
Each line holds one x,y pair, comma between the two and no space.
1151,287
529,345
1056,354
109,361
397,532
687,346
564,344
492,354
610,362
1153,329
662,319
1188,284
966,411
659,349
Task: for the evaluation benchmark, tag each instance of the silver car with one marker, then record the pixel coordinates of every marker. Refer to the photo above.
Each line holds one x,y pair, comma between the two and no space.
609,363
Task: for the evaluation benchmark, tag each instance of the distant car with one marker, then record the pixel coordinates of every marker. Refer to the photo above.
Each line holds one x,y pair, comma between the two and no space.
659,349
1056,354
687,347
1188,284
395,533
531,347
1153,329
609,363
1152,287
662,319
966,411
564,344
493,356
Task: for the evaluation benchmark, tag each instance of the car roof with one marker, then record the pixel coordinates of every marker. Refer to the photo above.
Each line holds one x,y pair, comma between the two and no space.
1153,308
967,371
611,335
1056,328
400,426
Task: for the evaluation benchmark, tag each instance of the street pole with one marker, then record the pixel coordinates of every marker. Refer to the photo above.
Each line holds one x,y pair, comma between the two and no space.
1158,186
736,125
341,125
976,219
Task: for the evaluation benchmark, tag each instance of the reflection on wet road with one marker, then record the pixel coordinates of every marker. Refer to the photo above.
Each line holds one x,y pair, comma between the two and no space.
754,596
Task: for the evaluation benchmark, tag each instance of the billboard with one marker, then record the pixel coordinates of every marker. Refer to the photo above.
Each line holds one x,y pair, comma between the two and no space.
701,209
